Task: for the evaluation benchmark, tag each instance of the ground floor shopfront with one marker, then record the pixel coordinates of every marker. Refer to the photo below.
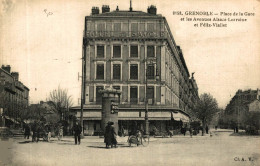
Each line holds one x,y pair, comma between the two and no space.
129,119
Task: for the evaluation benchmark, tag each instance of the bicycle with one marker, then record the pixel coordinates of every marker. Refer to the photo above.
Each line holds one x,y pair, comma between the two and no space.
138,139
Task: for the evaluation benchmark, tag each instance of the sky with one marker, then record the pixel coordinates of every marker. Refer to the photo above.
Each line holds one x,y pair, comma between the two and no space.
42,40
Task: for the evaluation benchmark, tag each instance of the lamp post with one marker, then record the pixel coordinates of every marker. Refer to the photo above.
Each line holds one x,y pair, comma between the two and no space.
146,100
83,87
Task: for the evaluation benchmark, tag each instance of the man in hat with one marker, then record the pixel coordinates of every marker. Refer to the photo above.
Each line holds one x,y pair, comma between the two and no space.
77,131
110,135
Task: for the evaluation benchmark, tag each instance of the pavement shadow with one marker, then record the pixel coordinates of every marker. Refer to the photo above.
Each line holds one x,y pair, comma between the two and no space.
243,134
25,142
99,147
61,143
103,147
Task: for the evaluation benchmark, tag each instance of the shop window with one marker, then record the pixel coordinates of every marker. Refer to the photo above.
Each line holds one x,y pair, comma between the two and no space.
100,71
134,71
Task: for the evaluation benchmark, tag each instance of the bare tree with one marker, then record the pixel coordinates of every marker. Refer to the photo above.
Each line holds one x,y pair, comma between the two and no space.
61,101
205,109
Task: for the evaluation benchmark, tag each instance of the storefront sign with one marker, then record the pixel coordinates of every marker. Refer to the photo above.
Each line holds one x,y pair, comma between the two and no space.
124,34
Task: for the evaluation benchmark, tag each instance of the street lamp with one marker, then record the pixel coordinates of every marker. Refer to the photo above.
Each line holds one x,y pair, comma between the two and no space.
150,62
83,86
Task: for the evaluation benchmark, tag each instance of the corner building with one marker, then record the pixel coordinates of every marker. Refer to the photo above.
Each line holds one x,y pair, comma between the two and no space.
135,52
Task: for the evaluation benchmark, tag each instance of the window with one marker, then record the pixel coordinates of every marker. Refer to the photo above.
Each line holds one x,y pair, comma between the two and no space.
134,71
100,51
116,51
101,27
150,72
150,27
117,71
134,27
142,27
133,51
100,71
133,94
150,51
117,27
150,94
98,94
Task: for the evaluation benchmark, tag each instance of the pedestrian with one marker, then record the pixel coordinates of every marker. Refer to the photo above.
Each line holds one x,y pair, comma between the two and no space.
34,131
114,135
60,132
77,131
191,131
183,130
207,129
27,131
122,131
107,135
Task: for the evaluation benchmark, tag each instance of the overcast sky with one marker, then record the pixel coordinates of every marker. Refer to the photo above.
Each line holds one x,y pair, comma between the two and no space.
46,50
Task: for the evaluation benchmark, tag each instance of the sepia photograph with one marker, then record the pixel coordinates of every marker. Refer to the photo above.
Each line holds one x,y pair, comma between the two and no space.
127,82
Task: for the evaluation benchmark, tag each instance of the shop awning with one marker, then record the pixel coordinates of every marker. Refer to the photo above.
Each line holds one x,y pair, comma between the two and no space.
11,119
91,115
129,116
179,116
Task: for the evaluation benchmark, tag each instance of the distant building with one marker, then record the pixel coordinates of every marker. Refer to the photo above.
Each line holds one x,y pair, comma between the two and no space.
14,96
135,52
242,103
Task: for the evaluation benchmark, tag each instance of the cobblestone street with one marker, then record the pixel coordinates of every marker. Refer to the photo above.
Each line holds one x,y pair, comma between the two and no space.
223,148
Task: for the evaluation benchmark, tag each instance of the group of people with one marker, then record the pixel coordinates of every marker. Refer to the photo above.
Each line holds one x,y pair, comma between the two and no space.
37,130
110,135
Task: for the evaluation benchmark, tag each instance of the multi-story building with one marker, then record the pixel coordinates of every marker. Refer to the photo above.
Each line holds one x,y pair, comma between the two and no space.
135,52
14,95
239,106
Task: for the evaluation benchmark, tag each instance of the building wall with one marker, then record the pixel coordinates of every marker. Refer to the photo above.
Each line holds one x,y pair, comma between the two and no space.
172,86
14,96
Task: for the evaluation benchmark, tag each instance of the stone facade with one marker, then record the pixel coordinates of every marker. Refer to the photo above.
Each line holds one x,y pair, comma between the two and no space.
14,95
135,52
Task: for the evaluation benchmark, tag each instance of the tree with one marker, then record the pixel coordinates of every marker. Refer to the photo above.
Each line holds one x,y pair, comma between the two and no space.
61,101
205,109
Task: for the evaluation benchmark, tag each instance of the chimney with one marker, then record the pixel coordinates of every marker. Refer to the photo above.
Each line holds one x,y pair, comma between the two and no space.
15,75
95,10
152,10
7,68
105,9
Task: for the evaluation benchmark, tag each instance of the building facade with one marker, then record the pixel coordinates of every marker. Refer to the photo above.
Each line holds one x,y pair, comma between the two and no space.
240,105
14,96
135,52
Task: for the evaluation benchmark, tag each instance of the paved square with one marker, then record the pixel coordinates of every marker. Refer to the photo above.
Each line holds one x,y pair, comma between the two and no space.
221,149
